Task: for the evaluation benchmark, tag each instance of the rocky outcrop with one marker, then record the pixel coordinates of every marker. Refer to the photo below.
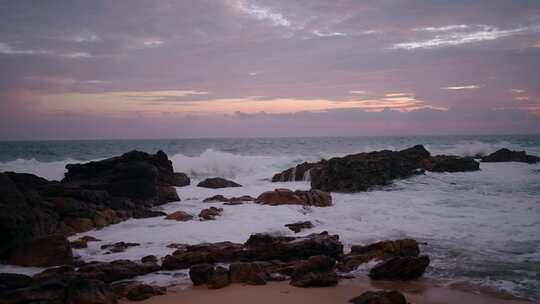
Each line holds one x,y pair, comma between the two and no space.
83,241
400,268
259,247
180,180
380,297
300,172
118,247
248,273
116,270
449,163
201,273
210,214
378,251
217,183
299,226
91,195
179,216
46,251
135,291
360,172
316,271
287,197
506,155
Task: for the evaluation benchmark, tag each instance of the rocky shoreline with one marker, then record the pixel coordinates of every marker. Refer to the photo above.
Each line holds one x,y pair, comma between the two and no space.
39,214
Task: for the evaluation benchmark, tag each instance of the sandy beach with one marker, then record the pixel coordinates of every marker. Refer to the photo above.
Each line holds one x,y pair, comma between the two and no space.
420,292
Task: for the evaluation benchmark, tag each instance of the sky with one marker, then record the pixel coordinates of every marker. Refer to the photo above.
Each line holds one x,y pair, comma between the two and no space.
245,68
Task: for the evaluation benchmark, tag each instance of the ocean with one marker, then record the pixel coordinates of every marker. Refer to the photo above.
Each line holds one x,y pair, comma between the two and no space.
481,228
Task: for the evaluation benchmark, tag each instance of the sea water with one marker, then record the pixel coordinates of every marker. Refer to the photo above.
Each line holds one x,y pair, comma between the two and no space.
478,227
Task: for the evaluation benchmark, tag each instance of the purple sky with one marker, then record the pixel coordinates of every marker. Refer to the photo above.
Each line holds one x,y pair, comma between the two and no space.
213,68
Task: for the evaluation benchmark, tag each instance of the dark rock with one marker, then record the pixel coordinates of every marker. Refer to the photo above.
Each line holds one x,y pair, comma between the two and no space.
119,247
378,251
265,247
115,270
63,273
249,273
47,251
210,214
229,201
446,163
219,278
400,268
82,242
152,259
299,173
506,155
180,180
380,297
201,273
9,281
145,213
217,182
179,216
288,197
140,292
299,226
315,279
89,292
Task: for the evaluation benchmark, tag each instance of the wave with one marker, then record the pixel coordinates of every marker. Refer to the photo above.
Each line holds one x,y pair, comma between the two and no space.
50,170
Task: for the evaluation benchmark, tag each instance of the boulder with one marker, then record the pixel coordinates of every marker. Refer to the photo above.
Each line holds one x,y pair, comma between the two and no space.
400,268
179,216
46,251
140,292
380,297
201,273
9,281
300,172
378,251
249,273
506,155
210,214
299,226
152,259
315,279
217,182
89,292
287,197
219,278
180,179
83,241
115,270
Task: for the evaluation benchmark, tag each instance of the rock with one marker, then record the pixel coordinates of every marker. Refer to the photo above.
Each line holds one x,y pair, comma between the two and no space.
249,273
201,273
229,201
217,182
145,213
47,251
89,292
219,278
139,176
115,270
91,195
288,197
210,214
152,259
400,268
63,273
179,216
83,241
265,247
299,226
118,247
446,163
9,281
315,279
506,155
378,251
380,297
299,173
140,292
180,180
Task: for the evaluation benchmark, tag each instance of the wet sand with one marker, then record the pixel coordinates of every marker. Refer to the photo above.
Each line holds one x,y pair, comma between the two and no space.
420,292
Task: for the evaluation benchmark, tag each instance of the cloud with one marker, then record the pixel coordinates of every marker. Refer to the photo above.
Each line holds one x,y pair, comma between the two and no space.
477,34
463,87
328,34
7,49
442,28
517,91
263,13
